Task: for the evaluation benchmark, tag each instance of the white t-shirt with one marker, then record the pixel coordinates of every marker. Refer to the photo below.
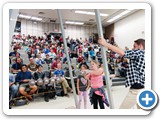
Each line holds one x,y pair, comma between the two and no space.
85,49
43,56
96,50
52,55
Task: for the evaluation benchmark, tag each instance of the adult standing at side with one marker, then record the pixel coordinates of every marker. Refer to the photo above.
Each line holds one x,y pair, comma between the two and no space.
135,71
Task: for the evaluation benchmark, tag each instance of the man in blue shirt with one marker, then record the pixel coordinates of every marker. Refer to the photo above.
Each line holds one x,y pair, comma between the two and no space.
23,77
59,73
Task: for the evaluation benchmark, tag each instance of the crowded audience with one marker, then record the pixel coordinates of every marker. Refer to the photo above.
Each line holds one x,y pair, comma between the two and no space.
49,50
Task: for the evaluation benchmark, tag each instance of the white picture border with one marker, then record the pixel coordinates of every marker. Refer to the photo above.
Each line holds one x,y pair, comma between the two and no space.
5,23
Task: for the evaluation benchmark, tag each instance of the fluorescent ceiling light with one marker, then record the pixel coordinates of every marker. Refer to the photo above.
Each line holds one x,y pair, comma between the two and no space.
125,12
24,16
69,22
36,18
29,17
103,14
89,13
76,23
120,15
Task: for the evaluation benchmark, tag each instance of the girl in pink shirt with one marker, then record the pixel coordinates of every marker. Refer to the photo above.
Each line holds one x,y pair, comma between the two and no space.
97,92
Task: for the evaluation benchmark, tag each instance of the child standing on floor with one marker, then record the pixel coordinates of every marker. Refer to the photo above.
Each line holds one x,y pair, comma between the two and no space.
97,92
82,87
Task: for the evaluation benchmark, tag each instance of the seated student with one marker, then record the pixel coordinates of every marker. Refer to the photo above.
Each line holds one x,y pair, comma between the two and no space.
46,50
74,54
55,62
48,60
65,60
39,60
40,74
52,54
99,57
16,67
31,52
92,54
32,66
23,77
80,58
124,67
85,52
83,63
42,54
12,87
15,53
120,68
60,54
110,68
59,73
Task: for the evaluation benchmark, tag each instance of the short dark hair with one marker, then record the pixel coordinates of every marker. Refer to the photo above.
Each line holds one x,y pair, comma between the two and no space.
140,42
24,65
39,66
15,48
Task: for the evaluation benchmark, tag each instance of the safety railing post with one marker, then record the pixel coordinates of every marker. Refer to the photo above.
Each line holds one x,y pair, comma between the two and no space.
104,59
67,55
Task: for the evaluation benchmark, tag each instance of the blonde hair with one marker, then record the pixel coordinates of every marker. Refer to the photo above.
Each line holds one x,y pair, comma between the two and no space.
95,61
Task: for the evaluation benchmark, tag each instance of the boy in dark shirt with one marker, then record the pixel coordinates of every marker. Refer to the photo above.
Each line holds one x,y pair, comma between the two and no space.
23,77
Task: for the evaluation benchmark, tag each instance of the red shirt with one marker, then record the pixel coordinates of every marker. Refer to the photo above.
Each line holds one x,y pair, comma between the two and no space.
60,39
80,59
54,65
55,50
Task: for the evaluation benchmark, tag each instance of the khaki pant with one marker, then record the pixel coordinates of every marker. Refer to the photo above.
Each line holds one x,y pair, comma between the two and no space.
65,85
131,99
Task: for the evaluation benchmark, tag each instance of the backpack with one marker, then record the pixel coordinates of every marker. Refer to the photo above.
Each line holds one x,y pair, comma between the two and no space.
59,92
20,101
52,92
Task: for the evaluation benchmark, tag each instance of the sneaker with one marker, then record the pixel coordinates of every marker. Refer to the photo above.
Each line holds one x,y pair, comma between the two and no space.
46,98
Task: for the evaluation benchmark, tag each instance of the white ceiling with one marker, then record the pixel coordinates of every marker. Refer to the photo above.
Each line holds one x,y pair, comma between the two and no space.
70,15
